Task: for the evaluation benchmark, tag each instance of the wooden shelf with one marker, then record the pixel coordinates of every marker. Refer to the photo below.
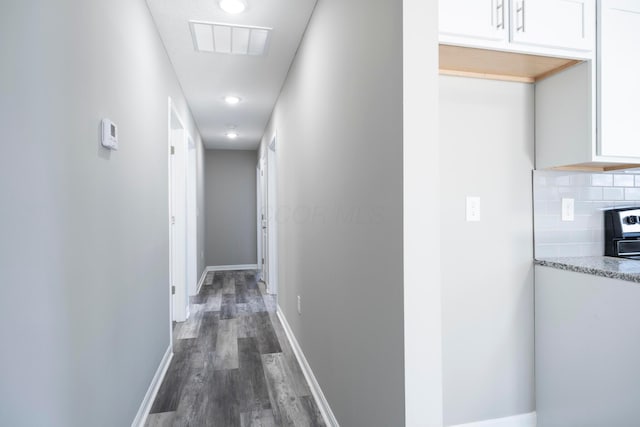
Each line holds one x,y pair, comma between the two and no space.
597,167
499,65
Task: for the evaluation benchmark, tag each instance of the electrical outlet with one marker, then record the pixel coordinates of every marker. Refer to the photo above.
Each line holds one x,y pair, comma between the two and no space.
568,209
473,209
299,304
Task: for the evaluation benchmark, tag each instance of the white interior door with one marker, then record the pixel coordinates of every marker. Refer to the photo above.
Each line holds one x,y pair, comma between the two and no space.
178,218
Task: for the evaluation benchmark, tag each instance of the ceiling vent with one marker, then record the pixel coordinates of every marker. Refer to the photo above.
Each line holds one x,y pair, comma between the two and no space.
230,39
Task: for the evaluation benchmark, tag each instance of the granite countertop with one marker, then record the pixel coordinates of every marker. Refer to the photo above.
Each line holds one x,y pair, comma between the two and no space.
604,266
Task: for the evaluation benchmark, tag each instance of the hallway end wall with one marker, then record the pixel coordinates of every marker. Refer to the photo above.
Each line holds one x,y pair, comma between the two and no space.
230,199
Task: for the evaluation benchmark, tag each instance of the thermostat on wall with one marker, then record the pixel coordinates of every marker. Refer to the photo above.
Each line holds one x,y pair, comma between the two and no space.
109,134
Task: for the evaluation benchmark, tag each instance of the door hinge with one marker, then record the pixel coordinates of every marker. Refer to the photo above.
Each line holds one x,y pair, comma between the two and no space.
173,290
173,150
262,261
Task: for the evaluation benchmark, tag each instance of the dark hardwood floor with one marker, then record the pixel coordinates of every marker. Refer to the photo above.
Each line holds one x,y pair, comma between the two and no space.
233,365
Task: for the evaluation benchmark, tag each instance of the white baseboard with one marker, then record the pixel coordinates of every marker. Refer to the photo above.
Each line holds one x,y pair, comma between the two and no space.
232,267
201,282
318,395
522,420
149,397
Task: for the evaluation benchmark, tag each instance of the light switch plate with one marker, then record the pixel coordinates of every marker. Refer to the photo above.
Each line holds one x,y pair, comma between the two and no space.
568,209
473,209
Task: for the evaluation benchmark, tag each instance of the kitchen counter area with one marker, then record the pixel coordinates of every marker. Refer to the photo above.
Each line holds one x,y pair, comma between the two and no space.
603,266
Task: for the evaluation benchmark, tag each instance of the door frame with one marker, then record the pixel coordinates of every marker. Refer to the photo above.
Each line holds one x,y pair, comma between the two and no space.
272,214
178,137
262,214
192,216
259,219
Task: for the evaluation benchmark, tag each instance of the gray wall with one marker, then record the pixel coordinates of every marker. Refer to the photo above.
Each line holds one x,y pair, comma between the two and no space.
339,153
487,150
230,177
84,251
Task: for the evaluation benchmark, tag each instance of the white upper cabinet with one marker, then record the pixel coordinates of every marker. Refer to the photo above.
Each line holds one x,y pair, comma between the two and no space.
543,27
619,78
479,19
562,24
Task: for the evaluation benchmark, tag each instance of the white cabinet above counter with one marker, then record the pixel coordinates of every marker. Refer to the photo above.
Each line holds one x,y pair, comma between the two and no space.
619,78
586,116
582,56
564,28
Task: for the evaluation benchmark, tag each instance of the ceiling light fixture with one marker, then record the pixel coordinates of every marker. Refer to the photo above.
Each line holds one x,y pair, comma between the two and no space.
232,134
233,6
232,100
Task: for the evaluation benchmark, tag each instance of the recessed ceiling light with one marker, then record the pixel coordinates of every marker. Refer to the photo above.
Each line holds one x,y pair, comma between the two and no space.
233,6
231,100
232,134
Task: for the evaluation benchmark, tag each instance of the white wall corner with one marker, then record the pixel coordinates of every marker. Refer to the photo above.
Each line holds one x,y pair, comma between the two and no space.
323,405
152,391
522,420
421,216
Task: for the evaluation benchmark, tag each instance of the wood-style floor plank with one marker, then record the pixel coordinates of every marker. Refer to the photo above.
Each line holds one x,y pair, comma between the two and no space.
228,310
294,371
170,390
253,387
227,345
287,407
258,418
163,419
310,407
266,336
189,329
223,408
228,284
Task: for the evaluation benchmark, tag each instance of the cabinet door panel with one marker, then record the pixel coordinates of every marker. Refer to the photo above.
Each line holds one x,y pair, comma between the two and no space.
564,24
480,19
619,78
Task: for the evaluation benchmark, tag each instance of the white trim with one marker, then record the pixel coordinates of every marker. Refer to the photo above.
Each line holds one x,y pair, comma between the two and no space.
201,281
522,420
318,395
231,267
150,396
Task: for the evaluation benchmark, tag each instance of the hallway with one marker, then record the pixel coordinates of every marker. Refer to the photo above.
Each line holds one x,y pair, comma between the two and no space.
232,364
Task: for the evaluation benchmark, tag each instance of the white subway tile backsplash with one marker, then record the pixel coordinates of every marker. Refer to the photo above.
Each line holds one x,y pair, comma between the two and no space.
593,193
563,180
614,193
602,180
632,193
625,180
